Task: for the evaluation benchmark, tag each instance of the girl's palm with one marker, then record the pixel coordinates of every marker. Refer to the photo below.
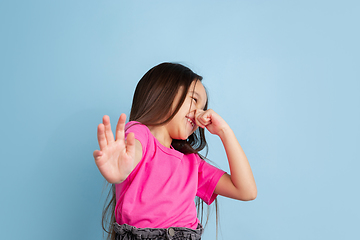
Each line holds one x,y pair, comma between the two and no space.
116,157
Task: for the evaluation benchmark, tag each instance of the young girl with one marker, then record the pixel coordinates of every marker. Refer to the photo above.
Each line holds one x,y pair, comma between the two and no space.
153,162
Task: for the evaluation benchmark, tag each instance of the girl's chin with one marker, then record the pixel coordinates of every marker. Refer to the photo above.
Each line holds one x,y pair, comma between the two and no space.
186,137
193,130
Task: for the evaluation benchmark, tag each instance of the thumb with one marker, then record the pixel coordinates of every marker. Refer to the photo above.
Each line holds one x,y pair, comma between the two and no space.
130,144
97,154
198,113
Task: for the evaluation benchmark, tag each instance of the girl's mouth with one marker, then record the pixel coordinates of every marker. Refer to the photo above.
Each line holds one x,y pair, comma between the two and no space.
191,122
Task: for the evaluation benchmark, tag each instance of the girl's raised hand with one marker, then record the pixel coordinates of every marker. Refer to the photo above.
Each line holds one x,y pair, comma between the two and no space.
116,157
210,120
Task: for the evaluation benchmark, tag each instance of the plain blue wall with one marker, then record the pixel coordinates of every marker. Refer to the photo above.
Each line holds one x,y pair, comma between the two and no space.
284,74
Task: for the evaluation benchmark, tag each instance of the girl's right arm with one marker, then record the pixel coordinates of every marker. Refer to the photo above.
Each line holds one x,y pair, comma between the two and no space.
117,157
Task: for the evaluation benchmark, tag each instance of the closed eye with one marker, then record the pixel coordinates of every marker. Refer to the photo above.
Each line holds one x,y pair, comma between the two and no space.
195,99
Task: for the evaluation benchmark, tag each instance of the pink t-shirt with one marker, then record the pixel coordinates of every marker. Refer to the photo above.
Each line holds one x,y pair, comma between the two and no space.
160,191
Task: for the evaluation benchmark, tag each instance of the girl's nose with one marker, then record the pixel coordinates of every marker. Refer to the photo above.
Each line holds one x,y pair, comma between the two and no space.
193,108
192,112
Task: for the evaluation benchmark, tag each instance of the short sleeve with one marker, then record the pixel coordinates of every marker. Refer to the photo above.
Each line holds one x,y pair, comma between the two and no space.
208,177
141,133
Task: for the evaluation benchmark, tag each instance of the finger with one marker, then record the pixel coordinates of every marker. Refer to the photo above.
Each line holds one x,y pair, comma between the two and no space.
130,144
203,119
108,133
120,132
97,154
101,136
198,113
198,123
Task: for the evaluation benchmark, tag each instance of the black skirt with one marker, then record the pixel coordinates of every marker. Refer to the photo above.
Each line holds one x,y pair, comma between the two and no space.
127,232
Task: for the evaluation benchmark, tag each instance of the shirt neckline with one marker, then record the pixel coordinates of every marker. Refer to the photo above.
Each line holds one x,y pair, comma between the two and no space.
170,151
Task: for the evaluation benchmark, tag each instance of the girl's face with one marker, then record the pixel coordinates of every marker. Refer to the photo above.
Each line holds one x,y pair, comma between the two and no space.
183,123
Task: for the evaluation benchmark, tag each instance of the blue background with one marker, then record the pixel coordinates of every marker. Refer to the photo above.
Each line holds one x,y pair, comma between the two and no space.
284,74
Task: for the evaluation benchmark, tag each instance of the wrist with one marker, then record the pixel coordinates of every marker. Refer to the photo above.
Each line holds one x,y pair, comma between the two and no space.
225,131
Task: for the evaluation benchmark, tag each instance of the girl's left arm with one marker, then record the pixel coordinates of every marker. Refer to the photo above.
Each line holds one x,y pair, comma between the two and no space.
241,183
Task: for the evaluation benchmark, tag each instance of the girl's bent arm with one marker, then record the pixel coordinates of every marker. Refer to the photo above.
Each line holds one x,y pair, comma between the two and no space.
241,184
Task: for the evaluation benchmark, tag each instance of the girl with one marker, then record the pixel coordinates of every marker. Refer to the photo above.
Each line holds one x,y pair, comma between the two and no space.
154,164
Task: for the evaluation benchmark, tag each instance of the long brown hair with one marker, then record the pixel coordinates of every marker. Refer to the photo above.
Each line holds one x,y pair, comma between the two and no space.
152,102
